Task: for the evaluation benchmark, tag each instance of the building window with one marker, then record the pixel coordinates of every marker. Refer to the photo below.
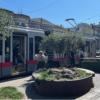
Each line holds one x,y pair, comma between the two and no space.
30,48
7,49
38,40
16,23
47,33
23,24
0,45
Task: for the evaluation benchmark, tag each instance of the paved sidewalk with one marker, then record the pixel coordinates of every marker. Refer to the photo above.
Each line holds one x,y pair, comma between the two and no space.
19,83
26,86
94,93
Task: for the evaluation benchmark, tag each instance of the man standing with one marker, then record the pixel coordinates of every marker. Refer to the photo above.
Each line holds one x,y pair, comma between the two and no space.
41,60
72,58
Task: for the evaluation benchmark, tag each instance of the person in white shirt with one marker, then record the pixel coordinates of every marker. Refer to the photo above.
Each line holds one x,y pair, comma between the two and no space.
41,60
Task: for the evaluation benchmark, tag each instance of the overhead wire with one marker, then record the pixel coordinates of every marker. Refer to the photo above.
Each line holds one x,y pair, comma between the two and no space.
43,8
90,18
49,5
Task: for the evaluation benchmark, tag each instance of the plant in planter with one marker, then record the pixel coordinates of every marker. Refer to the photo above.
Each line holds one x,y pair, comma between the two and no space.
61,73
61,45
63,81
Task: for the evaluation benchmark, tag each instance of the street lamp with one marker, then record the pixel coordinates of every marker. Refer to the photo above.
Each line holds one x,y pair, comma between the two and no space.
72,22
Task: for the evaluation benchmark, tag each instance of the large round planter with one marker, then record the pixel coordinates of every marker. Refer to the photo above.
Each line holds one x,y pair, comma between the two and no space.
64,88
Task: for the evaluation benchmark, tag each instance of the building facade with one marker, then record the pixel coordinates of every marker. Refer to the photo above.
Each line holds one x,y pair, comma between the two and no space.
47,26
17,51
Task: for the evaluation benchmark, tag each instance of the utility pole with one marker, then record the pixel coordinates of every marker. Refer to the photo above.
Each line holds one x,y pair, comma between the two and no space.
93,28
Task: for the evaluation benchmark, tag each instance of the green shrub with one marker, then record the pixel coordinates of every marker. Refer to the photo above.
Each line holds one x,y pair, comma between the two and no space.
71,74
10,93
94,66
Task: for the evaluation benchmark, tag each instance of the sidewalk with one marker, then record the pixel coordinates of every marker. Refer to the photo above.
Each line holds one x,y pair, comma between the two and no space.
94,93
26,86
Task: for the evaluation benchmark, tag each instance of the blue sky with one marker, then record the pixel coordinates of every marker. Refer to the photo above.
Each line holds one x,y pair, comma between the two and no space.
57,11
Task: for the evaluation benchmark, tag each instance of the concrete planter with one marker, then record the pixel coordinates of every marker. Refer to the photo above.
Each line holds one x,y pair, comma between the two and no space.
64,87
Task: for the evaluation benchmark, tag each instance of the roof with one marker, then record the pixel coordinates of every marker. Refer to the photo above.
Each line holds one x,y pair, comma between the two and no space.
1,9
41,20
22,15
27,30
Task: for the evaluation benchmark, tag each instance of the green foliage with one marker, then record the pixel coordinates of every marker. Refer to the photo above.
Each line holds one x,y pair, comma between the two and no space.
62,43
82,74
92,65
10,93
46,75
52,75
5,21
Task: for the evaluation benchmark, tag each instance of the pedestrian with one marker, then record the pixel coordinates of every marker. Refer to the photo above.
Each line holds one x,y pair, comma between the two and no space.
72,58
77,58
81,53
41,59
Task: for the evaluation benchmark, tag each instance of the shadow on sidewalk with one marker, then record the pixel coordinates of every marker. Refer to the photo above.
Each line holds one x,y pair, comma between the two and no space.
16,77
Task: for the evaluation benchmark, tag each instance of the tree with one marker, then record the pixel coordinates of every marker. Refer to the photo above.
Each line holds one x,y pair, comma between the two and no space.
62,44
5,21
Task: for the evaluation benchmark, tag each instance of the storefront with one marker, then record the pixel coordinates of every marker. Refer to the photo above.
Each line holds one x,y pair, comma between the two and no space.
17,51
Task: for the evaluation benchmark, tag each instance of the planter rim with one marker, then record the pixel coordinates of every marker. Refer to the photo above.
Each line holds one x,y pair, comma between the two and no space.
92,74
